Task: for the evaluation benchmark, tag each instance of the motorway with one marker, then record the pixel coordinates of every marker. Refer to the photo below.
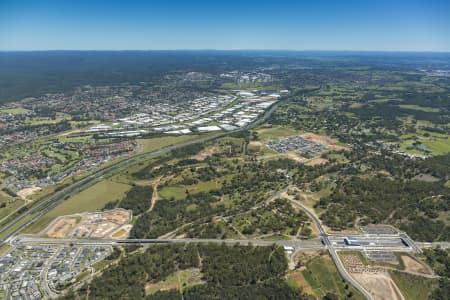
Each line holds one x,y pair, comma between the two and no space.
326,241
40,208
331,242
23,240
368,243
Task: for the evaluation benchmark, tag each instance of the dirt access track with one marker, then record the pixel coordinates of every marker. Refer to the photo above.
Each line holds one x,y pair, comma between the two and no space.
107,224
380,285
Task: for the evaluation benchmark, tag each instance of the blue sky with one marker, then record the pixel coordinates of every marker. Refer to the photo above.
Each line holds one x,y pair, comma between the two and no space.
389,25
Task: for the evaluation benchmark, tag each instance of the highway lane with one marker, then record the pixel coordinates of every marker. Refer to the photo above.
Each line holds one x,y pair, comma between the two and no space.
42,207
32,240
426,245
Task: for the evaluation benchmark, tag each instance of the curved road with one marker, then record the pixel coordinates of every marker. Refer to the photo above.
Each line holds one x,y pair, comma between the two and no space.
337,261
46,205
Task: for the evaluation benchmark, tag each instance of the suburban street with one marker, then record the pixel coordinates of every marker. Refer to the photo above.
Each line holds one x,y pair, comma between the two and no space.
38,209
399,242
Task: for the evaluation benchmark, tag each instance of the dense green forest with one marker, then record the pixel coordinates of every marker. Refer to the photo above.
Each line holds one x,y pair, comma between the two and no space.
29,74
228,272
439,260
411,204
138,199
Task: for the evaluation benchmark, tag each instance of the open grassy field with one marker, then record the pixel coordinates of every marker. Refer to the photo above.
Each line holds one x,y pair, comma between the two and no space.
11,204
14,111
417,107
41,121
437,143
177,192
90,200
296,279
10,207
275,132
310,280
4,248
178,280
413,287
15,226
323,272
159,142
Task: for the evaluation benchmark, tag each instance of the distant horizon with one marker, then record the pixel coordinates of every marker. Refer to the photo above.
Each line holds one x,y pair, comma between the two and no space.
138,25
229,50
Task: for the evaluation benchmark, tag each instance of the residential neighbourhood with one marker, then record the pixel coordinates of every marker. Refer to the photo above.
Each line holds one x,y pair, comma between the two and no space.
37,272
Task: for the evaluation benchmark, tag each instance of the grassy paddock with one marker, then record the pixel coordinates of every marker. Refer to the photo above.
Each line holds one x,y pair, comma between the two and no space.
160,142
10,203
4,248
417,107
177,192
324,273
92,199
14,111
276,132
413,287
179,280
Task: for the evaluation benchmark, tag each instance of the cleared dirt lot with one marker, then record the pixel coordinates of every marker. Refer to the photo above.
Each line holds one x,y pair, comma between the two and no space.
95,225
380,285
255,144
375,279
61,227
411,265
316,162
324,140
24,193
205,153
296,157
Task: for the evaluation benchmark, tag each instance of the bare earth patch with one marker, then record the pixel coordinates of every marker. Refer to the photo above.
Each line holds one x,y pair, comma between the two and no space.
24,193
61,227
296,157
70,132
255,144
205,153
326,141
412,265
375,279
122,233
316,162
96,225
179,280
300,281
381,286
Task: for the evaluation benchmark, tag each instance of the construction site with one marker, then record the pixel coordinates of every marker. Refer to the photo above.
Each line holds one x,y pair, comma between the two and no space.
106,224
375,279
